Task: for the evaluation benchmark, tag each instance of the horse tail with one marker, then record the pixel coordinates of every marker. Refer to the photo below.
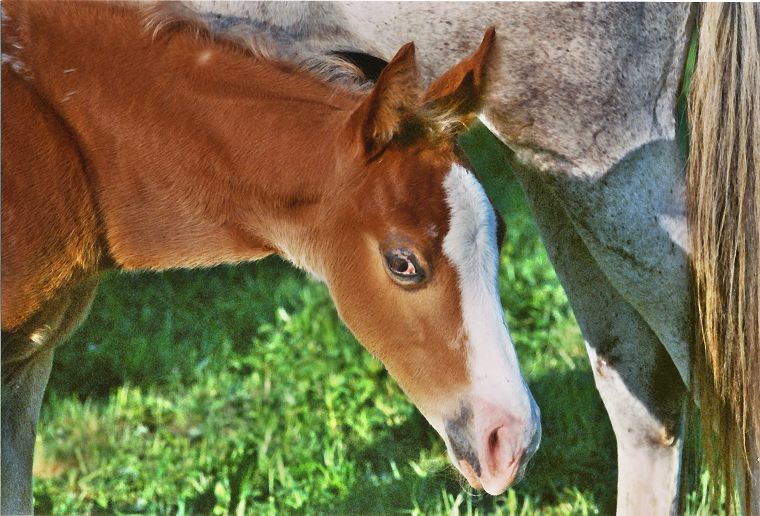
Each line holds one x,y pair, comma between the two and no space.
723,190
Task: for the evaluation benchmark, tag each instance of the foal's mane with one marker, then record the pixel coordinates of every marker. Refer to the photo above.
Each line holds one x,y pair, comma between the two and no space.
164,19
434,125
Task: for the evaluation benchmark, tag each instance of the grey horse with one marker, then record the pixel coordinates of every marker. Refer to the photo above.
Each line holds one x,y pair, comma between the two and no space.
583,98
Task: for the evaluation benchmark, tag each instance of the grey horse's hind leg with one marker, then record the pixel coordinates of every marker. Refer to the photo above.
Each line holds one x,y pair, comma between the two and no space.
27,360
645,398
641,388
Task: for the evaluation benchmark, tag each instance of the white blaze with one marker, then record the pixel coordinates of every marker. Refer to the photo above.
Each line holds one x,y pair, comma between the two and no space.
472,248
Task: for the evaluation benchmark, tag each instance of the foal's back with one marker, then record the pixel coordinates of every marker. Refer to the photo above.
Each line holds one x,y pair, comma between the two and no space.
95,94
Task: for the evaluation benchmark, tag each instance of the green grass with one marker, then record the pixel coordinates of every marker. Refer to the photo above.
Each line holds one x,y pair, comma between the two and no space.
238,390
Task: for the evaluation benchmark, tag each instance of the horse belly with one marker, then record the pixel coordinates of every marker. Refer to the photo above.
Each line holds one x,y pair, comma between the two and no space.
49,228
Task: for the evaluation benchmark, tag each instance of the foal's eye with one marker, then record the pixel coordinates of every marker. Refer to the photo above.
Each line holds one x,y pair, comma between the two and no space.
404,266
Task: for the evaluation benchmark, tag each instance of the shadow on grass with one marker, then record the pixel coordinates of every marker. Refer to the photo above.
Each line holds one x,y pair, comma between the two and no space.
143,328
578,444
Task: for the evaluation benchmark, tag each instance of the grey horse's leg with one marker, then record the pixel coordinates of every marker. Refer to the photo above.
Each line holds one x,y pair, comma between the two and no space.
27,360
641,388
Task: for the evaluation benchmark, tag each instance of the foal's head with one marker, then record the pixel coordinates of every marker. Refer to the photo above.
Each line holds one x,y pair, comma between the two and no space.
411,261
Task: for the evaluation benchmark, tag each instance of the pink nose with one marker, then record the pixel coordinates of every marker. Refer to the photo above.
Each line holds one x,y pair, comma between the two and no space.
491,446
502,457
499,446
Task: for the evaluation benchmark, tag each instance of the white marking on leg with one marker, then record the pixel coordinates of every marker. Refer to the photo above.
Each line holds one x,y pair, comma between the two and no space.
675,226
649,458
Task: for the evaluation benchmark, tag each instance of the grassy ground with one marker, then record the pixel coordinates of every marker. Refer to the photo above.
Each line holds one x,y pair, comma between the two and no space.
237,390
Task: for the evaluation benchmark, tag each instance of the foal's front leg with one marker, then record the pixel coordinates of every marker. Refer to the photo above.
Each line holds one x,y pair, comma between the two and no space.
22,392
638,382
27,359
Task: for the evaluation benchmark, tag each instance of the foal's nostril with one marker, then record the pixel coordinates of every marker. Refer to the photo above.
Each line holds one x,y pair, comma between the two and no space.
499,454
493,448
493,439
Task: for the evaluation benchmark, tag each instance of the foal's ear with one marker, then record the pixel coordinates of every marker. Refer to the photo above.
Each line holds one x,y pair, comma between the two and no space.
394,98
456,96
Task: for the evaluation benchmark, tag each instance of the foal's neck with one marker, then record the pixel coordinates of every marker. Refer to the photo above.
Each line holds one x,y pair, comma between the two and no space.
200,155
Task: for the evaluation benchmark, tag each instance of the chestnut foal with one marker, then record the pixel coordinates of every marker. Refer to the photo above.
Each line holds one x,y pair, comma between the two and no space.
134,138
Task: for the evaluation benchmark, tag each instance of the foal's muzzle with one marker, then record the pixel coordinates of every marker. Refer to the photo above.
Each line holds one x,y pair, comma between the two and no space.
491,447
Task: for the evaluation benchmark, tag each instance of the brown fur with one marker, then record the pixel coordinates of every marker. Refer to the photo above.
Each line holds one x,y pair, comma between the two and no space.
138,139
453,105
724,217
450,104
36,264
389,105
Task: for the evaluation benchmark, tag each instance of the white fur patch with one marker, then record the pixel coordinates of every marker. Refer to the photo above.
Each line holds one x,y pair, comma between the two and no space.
471,246
676,227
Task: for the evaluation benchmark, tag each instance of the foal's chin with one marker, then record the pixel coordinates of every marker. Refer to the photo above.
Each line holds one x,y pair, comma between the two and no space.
489,445
492,486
